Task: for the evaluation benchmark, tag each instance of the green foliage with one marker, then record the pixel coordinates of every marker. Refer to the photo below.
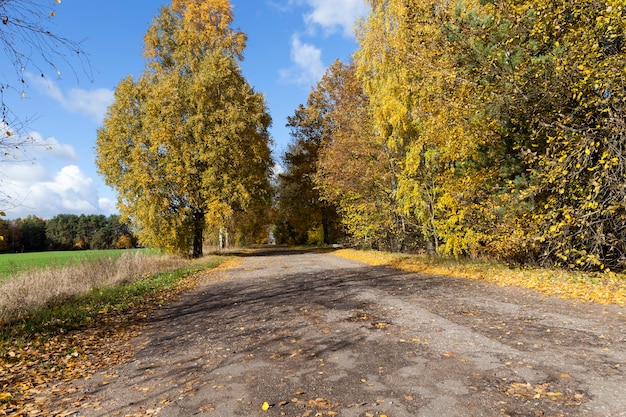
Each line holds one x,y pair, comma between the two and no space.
33,233
69,231
62,232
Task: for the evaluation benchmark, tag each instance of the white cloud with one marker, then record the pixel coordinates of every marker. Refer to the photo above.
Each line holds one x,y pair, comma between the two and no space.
308,67
22,174
66,191
59,150
331,16
107,206
29,147
39,147
92,103
336,14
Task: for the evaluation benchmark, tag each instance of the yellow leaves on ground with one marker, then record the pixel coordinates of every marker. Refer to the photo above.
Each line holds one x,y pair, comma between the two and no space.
601,288
29,362
543,391
23,369
313,407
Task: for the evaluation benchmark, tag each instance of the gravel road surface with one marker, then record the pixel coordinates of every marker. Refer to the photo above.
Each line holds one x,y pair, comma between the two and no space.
312,334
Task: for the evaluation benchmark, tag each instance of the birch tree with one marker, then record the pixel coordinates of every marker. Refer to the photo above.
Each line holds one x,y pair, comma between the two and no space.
186,145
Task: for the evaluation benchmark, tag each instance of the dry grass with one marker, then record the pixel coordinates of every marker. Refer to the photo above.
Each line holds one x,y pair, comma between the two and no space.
601,288
39,288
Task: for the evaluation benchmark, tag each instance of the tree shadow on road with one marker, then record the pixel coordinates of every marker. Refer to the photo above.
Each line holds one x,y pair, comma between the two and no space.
268,331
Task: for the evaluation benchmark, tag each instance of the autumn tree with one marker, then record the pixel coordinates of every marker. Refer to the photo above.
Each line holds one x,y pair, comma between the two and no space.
507,121
548,79
576,127
187,144
302,210
423,115
124,242
354,170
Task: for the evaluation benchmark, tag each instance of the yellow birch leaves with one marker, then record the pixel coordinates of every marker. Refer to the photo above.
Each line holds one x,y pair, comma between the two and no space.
506,121
190,136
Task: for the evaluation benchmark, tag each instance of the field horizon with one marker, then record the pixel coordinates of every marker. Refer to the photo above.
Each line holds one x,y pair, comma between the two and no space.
12,264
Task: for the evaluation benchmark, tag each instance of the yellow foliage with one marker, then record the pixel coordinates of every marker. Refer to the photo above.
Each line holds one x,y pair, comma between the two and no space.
124,242
601,288
355,170
187,145
505,123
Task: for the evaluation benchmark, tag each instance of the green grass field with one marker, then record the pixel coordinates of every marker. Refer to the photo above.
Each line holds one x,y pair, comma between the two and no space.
14,263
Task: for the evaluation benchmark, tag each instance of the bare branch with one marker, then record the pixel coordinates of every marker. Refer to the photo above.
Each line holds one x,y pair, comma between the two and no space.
30,45
28,42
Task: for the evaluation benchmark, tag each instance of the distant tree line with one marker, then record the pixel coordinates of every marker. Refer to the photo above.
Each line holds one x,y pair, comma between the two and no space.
64,232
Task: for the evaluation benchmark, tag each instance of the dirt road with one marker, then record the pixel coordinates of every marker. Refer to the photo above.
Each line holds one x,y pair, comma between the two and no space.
313,334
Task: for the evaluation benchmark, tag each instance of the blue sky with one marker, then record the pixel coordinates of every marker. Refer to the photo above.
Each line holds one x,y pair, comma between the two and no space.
290,44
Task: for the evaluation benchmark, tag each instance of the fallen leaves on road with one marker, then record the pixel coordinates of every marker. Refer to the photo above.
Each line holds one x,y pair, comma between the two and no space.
313,407
26,375
601,288
34,369
543,391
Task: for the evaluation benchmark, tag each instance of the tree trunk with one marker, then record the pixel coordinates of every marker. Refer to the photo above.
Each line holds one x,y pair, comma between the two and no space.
326,223
198,234
325,229
224,242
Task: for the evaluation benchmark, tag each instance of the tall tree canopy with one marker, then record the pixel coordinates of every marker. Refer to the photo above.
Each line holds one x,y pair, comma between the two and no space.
423,114
303,213
355,171
491,127
187,144
549,86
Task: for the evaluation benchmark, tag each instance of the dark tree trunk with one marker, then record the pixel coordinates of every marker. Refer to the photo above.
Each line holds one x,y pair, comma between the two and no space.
325,229
327,217
198,234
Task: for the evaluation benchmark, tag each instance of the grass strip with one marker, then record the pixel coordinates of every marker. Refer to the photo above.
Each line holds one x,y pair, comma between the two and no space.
82,310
